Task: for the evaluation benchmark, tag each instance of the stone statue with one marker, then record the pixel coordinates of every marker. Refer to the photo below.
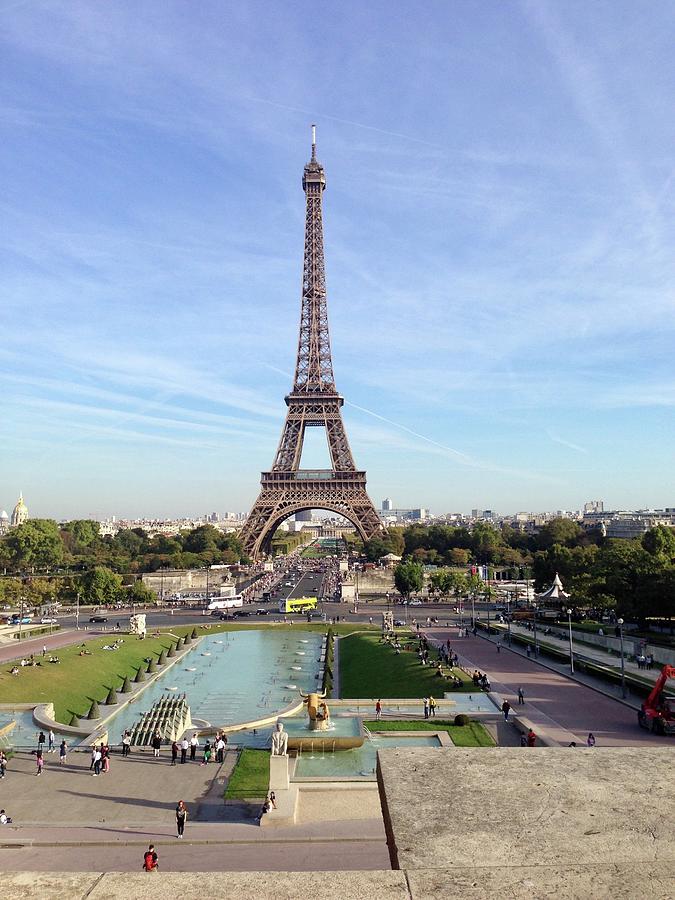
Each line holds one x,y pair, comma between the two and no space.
137,624
279,741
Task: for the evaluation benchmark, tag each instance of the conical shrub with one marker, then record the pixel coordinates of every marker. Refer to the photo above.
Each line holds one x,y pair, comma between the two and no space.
194,634
171,651
111,699
187,640
140,676
152,667
75,721
162,658
94,711
179,643
126,686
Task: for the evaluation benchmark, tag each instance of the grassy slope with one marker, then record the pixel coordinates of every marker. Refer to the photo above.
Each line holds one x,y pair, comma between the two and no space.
77,680
471,735
371,669
251,775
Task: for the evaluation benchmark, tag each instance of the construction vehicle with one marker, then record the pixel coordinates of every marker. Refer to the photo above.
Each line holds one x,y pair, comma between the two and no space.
658,711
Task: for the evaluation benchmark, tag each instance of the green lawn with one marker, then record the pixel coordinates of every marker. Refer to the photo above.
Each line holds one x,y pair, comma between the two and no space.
472,735
251,776
371,669
77,680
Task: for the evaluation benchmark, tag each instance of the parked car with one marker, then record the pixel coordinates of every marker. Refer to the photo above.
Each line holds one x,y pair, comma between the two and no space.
262,612
242,613
98,619
415,603
47,620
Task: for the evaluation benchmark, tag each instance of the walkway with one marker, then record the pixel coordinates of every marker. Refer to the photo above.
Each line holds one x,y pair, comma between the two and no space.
560,707
582,651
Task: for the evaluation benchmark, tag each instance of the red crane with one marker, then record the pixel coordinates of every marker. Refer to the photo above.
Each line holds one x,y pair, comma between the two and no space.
658,711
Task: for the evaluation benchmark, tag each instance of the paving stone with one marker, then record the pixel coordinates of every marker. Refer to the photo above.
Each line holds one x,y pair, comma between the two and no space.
528,806
47,885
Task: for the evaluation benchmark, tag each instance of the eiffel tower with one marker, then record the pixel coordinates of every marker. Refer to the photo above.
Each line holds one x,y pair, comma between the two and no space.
313,402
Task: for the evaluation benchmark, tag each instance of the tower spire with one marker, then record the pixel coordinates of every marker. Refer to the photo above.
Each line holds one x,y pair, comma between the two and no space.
313,143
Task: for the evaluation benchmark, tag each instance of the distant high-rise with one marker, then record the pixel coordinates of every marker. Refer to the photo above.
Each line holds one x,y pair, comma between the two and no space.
386,504
304,515
594,506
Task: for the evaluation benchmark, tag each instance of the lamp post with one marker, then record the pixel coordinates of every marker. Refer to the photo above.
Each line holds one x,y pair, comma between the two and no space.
21,617
619,622
77,613
508,616
536,646
569,620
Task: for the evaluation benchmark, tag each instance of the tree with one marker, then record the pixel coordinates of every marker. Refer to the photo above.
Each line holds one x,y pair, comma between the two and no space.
141,593
660,542
559,531
408,577
85,532
36,544
102,586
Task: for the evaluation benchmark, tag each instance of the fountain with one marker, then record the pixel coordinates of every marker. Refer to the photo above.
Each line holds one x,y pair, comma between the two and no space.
342,735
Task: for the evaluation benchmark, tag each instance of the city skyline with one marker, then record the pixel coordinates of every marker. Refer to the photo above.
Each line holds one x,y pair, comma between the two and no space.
499,275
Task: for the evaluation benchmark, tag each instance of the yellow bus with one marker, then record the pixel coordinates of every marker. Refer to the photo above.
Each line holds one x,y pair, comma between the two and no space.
297,604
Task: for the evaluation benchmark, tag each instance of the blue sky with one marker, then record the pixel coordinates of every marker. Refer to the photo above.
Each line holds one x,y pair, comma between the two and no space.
499,245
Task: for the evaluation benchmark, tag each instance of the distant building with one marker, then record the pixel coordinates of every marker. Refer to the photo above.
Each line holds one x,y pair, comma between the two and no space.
386,505
20,513
4,522
594,506
304,516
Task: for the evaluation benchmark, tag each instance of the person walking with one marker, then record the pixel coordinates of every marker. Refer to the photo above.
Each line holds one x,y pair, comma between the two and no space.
105,757
63,751
39,760
174,753
523,740
50,739
96,761
41,740
126,743
207,753
181,818
432,707
194,743
184,744
44,649
521,697
425,702
156,744
3,763
506,709
378,710
590,740
531,738
150,859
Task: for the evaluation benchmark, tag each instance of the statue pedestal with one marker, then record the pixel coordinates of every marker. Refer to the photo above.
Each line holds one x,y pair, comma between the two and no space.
279,780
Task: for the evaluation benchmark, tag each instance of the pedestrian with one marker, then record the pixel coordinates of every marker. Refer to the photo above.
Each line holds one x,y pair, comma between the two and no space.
432,707
265,808
39,759
41,740
44,649
523,740
521,697
425,701
126,743
207,753
531,738
4,818
499,649
181,818
528,651
183,750
92,758
174,753
194,743
590,740
378,710
97,761
150,859
156,744
105,757
3,763
51,738
506,709
63,750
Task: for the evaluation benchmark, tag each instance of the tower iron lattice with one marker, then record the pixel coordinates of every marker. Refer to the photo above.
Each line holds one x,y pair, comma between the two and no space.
313,402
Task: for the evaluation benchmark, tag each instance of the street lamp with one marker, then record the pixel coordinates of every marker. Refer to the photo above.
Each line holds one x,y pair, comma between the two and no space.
619,622
536,646
508,616
77,613
569,620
